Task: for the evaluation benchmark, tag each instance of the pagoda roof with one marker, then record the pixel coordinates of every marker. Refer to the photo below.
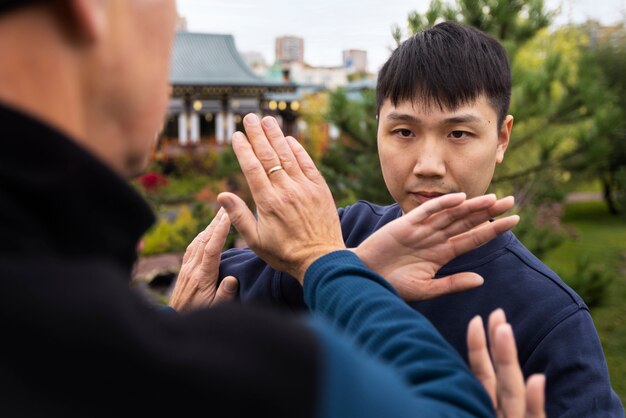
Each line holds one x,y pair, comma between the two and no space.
212,60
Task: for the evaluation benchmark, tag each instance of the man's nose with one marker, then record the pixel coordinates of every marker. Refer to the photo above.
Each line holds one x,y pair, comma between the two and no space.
430,160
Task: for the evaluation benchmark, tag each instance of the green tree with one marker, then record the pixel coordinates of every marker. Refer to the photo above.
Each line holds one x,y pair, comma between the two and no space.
568,100
605,147
313,112
513,22
351,165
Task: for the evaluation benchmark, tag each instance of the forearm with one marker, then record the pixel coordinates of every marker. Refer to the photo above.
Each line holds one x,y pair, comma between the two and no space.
363,305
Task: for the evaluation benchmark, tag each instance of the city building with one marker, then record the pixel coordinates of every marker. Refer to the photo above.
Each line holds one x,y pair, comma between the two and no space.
355,60
326,77
212,89
256,62
289,49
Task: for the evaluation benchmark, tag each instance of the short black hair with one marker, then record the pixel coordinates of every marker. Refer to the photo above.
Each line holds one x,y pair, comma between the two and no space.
448,65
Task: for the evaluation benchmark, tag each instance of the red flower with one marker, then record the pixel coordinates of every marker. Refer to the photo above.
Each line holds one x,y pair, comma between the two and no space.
152,181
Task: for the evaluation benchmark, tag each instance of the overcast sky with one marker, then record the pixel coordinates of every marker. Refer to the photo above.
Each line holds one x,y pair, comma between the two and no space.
330,26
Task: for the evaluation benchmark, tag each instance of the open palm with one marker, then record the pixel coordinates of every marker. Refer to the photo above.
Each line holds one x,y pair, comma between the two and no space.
409,251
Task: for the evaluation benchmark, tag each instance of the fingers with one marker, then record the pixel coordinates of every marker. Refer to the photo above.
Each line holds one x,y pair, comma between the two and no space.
186,286
227,291
433,206
496,318
503,379
194,250
481,215
479,236
304,161
459,214
455,283
282,149
240,216
209,266
535,396
183,293
251,166
471,213
257,138
479,359
511,391
450,215
271,147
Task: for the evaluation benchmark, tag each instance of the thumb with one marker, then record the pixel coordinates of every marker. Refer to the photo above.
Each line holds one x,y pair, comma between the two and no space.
240,217
227,291
535,396
455,283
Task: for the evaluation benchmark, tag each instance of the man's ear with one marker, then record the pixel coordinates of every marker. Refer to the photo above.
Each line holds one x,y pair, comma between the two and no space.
503,138
88,18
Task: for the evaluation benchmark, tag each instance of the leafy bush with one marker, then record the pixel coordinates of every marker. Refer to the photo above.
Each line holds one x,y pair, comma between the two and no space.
167,236
620,192
540,228
226,165
591,281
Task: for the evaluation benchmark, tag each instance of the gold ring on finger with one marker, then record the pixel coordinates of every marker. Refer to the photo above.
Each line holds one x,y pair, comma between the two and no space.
274,169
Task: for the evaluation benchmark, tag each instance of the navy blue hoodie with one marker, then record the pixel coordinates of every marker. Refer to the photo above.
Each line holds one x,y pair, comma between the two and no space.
552,325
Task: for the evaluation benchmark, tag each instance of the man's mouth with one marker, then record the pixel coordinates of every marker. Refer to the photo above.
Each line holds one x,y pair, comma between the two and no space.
424,196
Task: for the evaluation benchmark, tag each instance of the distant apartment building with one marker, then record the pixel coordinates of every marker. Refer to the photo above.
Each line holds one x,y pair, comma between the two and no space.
256,62
355,60
289,49
327,77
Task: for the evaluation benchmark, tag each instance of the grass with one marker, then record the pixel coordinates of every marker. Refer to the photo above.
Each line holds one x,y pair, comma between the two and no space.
602,238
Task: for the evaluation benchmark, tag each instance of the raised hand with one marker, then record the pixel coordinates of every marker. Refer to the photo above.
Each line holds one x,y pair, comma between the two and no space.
410,250
297,218
503,377
196,285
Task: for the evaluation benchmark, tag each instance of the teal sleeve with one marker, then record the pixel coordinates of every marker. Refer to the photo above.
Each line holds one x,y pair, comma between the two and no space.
396,364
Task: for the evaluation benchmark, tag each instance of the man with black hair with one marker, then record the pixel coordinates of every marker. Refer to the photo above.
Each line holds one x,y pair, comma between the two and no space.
83,88
443,126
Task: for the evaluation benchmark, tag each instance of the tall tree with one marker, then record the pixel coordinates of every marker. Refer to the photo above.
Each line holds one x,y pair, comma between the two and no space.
565,100
605,147
351,164
513,22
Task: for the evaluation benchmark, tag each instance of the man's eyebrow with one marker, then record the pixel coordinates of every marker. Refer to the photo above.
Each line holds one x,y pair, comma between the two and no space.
457,119
403,117
467,118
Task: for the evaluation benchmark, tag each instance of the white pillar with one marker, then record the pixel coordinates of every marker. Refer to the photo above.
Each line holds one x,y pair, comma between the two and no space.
219,128
230,126
182,129
195,128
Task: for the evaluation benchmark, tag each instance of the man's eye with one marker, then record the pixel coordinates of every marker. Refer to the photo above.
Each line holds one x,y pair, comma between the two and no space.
459,134
405,133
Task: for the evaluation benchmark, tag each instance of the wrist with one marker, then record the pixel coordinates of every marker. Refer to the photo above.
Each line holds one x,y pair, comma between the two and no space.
314,253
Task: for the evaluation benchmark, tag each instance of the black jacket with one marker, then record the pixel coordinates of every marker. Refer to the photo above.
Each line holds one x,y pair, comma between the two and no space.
75,341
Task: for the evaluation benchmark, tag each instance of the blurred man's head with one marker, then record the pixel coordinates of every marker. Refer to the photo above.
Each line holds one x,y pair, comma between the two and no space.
443,98
96,69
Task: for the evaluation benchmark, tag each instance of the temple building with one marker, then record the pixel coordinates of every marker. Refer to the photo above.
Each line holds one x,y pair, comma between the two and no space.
213,88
